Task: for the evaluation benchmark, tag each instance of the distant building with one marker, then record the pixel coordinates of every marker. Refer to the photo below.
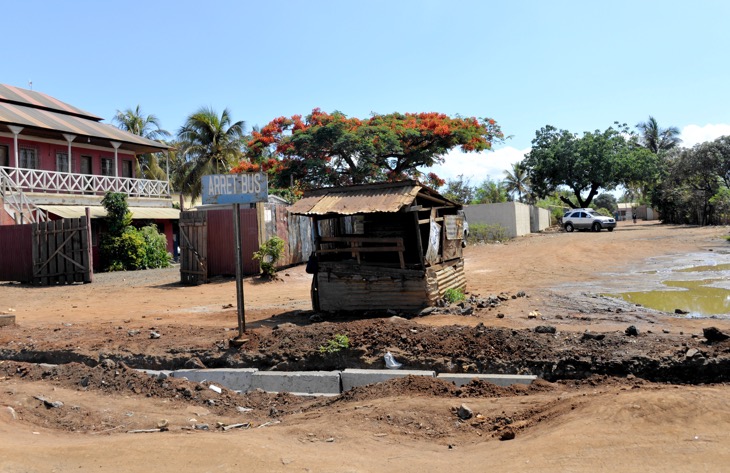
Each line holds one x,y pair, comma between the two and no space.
56,160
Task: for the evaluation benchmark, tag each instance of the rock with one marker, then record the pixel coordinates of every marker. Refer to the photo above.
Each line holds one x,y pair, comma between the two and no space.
194,363
500,315
132,333
533,314
284,325
468,310
162,424
507,434
680,312
315,318
632,331
155,335
593,336
464,412
202,427
521,294
427,311
691,352
713,334
108,364
545,329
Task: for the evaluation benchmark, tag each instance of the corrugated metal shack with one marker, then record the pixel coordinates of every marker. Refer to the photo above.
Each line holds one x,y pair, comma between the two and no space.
383,246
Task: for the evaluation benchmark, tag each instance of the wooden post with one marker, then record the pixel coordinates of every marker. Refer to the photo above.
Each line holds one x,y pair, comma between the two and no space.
90,251
239,269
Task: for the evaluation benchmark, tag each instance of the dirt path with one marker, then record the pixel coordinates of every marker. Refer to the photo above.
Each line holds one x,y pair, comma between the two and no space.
592,424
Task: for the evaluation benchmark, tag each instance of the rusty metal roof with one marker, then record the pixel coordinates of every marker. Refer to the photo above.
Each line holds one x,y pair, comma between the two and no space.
351,200
42,122
31,98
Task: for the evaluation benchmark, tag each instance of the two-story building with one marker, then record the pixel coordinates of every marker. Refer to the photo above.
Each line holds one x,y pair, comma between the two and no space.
56,160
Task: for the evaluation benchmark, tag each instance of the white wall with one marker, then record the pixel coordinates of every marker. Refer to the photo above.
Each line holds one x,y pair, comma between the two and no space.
514,216
539,219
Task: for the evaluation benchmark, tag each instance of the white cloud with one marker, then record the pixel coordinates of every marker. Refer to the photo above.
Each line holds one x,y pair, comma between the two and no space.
695,134
478,166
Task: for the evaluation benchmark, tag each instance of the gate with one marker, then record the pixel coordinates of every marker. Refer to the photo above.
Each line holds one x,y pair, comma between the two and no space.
61,252
193,247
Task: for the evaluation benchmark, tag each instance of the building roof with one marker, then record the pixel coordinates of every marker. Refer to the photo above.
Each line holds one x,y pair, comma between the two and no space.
31,98
97,211
45,117
362,199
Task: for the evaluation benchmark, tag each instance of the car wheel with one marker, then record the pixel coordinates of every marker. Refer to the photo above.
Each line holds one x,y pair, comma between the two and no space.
610,229
596,227
568,227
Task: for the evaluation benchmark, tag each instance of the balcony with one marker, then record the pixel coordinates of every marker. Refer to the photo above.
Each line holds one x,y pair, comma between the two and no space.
33,180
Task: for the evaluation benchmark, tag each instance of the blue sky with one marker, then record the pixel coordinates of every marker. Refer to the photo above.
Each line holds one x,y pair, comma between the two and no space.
575,65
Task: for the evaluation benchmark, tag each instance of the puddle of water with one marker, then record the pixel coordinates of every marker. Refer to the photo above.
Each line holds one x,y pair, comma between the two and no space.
699,298
707,268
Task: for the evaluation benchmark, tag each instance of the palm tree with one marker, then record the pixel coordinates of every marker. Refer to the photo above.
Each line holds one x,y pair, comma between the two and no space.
658,139
146,126
517,181
211,144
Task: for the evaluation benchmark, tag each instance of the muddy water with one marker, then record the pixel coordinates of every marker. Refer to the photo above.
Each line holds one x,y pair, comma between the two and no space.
696,283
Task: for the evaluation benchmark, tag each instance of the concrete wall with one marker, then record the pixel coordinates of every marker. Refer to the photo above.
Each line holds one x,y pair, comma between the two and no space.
539,219
514,216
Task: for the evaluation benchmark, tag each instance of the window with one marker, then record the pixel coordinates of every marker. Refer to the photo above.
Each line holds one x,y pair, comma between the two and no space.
4,156
61,162
106,167
28,158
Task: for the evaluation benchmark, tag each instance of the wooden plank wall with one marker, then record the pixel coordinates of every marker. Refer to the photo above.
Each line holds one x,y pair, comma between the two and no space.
346,287
16,254
193,247
60,252
221,245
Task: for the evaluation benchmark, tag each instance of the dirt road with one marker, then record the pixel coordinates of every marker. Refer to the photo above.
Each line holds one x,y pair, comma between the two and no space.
600,412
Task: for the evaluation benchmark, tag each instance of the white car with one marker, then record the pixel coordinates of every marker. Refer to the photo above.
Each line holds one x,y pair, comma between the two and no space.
584,219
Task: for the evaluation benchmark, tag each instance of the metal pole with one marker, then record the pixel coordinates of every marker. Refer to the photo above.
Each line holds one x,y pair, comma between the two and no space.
239,270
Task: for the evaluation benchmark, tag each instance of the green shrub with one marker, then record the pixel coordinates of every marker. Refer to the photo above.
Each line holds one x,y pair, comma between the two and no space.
335,344
268,254
454,295
486,233
124,247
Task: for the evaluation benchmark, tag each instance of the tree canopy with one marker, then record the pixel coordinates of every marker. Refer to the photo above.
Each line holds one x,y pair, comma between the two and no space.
147,126
325,149
585,164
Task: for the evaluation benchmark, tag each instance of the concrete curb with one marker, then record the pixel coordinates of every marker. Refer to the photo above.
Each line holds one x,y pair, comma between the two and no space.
358,377
498,379
321,383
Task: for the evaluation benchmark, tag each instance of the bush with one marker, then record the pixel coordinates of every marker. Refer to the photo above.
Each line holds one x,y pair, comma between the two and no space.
483,232
268,254
125,247
454,295
335,344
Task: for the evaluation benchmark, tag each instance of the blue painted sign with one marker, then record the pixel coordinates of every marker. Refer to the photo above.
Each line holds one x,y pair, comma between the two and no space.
246,188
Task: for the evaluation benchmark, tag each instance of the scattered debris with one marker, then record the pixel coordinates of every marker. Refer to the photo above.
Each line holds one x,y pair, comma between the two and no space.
154,335
464,412
593,336
49,404
215,388
713,334
545,329
632,331
390,362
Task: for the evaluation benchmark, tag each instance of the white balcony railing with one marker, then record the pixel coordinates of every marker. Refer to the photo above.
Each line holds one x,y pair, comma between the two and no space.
33,180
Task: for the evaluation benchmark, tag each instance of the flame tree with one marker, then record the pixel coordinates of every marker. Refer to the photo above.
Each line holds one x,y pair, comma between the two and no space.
325,149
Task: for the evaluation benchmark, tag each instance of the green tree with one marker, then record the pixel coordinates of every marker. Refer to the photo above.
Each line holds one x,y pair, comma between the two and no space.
490,192
657,139
458,190
146,126
606,201
211,144
324,149
517,181
585,164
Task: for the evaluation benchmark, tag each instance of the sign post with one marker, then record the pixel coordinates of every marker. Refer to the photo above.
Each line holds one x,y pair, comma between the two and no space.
236,189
